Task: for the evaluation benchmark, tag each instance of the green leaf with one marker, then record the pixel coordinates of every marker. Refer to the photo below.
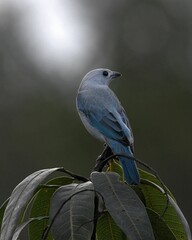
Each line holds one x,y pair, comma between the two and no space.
23,225
139,193
108,229
72,212
19,199
174,218
160,228
41,205
152,178
114,166
124,205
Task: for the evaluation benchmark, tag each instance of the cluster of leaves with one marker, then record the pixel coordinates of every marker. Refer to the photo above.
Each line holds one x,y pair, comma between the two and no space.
104,207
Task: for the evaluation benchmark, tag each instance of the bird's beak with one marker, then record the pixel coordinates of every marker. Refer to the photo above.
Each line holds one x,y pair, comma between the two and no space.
115,75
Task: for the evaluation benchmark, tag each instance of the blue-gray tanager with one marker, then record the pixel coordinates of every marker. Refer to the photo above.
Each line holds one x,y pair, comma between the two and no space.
104,117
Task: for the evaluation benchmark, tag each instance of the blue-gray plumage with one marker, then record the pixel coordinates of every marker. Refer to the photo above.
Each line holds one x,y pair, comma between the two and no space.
104,117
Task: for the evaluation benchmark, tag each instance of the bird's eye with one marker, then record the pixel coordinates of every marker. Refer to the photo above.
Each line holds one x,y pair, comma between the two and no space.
105,73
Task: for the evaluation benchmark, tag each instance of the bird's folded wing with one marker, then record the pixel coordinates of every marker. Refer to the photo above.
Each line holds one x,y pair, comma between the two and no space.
111,125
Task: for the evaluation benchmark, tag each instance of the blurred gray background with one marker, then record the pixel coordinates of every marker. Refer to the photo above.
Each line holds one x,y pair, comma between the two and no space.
46,47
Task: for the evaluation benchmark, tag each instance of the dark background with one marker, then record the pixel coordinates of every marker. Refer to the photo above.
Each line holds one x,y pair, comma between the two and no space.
45,50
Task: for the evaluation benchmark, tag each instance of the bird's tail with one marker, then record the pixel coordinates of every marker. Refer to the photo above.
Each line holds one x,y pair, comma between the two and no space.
130,170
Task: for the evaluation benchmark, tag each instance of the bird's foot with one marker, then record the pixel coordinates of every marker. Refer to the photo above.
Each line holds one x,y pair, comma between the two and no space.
99,161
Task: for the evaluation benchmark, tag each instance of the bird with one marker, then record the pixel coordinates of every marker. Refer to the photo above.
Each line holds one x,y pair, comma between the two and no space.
105,119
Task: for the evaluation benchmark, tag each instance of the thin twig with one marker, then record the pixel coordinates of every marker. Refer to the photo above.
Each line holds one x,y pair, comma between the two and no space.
77,177
93,237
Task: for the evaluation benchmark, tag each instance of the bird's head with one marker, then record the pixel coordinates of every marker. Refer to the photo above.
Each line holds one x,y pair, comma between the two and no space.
100,76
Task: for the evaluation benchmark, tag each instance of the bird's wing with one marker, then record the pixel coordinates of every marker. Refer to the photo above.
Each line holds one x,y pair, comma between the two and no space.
111,125
126,122
109,119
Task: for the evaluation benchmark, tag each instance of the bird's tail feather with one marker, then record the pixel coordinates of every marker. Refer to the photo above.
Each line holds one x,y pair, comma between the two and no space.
130,170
